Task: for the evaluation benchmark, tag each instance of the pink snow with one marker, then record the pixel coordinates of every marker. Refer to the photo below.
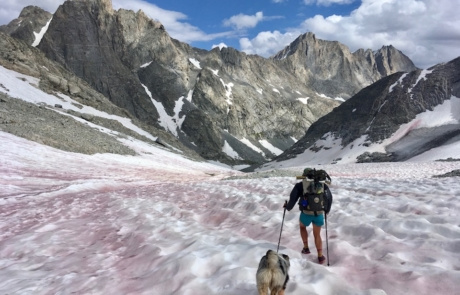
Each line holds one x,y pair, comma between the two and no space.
158,223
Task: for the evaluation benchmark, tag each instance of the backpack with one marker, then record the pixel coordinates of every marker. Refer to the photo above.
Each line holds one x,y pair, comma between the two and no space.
313,198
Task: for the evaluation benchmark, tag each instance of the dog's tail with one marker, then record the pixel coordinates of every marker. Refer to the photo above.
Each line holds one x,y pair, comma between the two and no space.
272,273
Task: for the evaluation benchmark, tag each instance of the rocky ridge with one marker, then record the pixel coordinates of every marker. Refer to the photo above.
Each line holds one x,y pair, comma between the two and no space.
330,67
378,110
208,100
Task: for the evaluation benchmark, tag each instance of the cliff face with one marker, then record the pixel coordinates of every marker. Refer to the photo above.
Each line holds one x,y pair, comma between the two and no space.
329,67
376,112
224,104
79,128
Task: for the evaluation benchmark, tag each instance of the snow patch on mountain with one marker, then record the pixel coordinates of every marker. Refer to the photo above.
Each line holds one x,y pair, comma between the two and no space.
26,88
39,35
400,80
422,75
303,100
166,121
146,64
215,72
330,150
325,96
228,93
252,146
227,149
274,150
195,62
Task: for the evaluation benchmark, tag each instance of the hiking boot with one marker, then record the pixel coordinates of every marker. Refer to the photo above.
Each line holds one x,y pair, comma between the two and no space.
321,259
305,251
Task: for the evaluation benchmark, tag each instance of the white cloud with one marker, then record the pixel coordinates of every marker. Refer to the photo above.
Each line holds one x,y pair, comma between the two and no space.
318,24
266,43
244,21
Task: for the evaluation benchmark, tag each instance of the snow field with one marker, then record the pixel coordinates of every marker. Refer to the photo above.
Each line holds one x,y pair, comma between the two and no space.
160,224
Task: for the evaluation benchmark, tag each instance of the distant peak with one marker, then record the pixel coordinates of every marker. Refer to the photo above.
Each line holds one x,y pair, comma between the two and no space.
308,35
29,10
388,47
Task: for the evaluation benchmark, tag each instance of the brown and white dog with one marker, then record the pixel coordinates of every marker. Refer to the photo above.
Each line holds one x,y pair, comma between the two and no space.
272,273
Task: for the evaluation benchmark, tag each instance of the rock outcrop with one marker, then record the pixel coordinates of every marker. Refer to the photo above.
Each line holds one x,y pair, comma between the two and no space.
376,112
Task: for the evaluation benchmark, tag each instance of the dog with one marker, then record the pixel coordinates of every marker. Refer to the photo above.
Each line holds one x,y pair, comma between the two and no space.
272,273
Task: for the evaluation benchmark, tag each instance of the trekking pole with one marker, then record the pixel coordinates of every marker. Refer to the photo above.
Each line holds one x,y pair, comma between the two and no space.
282,222
327,243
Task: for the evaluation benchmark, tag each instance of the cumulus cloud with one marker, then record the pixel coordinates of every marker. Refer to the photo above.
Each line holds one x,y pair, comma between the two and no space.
266,43
244,21
428,31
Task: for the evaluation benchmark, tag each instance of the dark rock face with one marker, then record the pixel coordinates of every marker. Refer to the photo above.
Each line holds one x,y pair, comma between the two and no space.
40,123
453,173
209,100
389,60
374,157
380,109
91,49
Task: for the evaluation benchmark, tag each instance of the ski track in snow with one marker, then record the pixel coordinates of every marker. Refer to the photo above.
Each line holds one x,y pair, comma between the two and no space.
160,224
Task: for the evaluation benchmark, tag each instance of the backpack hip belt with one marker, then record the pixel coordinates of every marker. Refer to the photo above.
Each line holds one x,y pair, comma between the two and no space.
315,213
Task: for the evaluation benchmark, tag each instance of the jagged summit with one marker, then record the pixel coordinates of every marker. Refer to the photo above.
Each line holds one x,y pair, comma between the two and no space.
30,21
330,67
389,60
299,45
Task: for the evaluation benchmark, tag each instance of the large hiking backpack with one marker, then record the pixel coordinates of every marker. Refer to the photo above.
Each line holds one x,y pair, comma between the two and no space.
313,200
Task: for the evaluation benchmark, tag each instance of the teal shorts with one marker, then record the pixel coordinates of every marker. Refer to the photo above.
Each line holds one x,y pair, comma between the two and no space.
307,219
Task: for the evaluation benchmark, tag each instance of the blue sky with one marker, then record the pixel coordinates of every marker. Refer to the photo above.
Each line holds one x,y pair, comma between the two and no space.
428,31
233,20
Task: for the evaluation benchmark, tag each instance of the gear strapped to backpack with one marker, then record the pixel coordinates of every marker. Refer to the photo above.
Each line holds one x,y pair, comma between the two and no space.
313,200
